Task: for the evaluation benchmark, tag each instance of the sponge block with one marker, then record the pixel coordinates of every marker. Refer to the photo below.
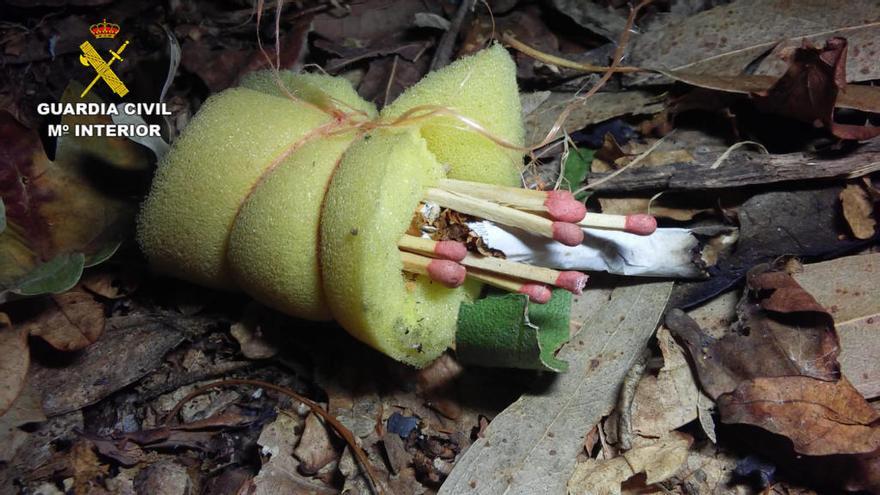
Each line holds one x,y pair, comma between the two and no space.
483,88
273,247
369,205
199,185
317,89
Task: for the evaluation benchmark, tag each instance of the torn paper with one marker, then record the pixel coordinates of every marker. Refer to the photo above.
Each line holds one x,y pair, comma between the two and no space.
665,253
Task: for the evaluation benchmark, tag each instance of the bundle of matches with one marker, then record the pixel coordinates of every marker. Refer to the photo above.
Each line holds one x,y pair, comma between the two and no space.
560,206
450,263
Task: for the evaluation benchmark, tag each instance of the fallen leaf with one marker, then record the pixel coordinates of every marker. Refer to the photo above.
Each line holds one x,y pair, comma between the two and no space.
24,411
59,217
669,400
724,40
595,17
772,224
249,332
599,108
819,417
861,60
166,477
315,449
15,362
279,472
776,369
71,321
808,90
659,460
858,210
848,287
529,448
139,341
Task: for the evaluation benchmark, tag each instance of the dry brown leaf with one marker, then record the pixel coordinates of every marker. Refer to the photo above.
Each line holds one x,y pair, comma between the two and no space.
15,362
71,321
25,410
315,449
669,400
726,39
776,369
819,417
279,473
861,60
858,210
809,88
250,336
847,288
659,461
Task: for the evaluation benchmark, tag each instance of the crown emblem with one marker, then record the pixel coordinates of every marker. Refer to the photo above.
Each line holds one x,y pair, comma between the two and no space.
104,29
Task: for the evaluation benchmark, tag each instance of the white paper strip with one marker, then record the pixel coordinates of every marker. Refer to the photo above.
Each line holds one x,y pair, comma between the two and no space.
665,253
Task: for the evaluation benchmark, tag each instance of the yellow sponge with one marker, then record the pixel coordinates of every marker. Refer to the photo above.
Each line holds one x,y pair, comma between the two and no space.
481,87
273,247
368,206
200,184
318,89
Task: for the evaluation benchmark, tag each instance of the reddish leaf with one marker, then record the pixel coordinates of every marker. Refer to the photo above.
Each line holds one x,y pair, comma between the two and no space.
808,91
71,321
56,211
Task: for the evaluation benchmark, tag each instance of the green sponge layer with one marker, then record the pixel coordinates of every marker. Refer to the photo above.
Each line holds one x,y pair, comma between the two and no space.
368,206
483,88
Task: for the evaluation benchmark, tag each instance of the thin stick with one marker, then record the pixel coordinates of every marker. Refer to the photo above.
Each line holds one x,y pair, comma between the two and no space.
566,233
344,432
547,58
537,293
450,250
560,205
446,272
569,280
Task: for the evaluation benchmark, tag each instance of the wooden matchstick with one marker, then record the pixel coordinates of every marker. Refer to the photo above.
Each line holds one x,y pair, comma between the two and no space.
639,224
450,250
571,281
559,205
537,293
446,272
564,232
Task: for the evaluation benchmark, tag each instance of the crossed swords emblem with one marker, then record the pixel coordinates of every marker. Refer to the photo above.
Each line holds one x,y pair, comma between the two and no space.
90,56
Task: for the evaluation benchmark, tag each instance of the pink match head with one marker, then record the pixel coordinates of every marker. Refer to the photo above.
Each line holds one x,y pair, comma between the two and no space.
562,206
640,224
573,282
451,250
537,293
567,233
448,273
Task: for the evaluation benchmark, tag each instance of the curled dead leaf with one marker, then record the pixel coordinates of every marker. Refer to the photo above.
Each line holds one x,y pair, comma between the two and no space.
70,321
15,362
858,210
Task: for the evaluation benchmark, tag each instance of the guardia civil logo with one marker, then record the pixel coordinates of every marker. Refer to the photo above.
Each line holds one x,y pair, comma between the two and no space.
91,58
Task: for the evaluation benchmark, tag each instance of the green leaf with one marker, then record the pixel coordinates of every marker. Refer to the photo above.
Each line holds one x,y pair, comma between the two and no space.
577,166
506,331
57,275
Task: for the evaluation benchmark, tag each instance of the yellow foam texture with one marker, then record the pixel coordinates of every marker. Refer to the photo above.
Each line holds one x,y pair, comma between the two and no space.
315,88
369,205
481,87
221,155
273,246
